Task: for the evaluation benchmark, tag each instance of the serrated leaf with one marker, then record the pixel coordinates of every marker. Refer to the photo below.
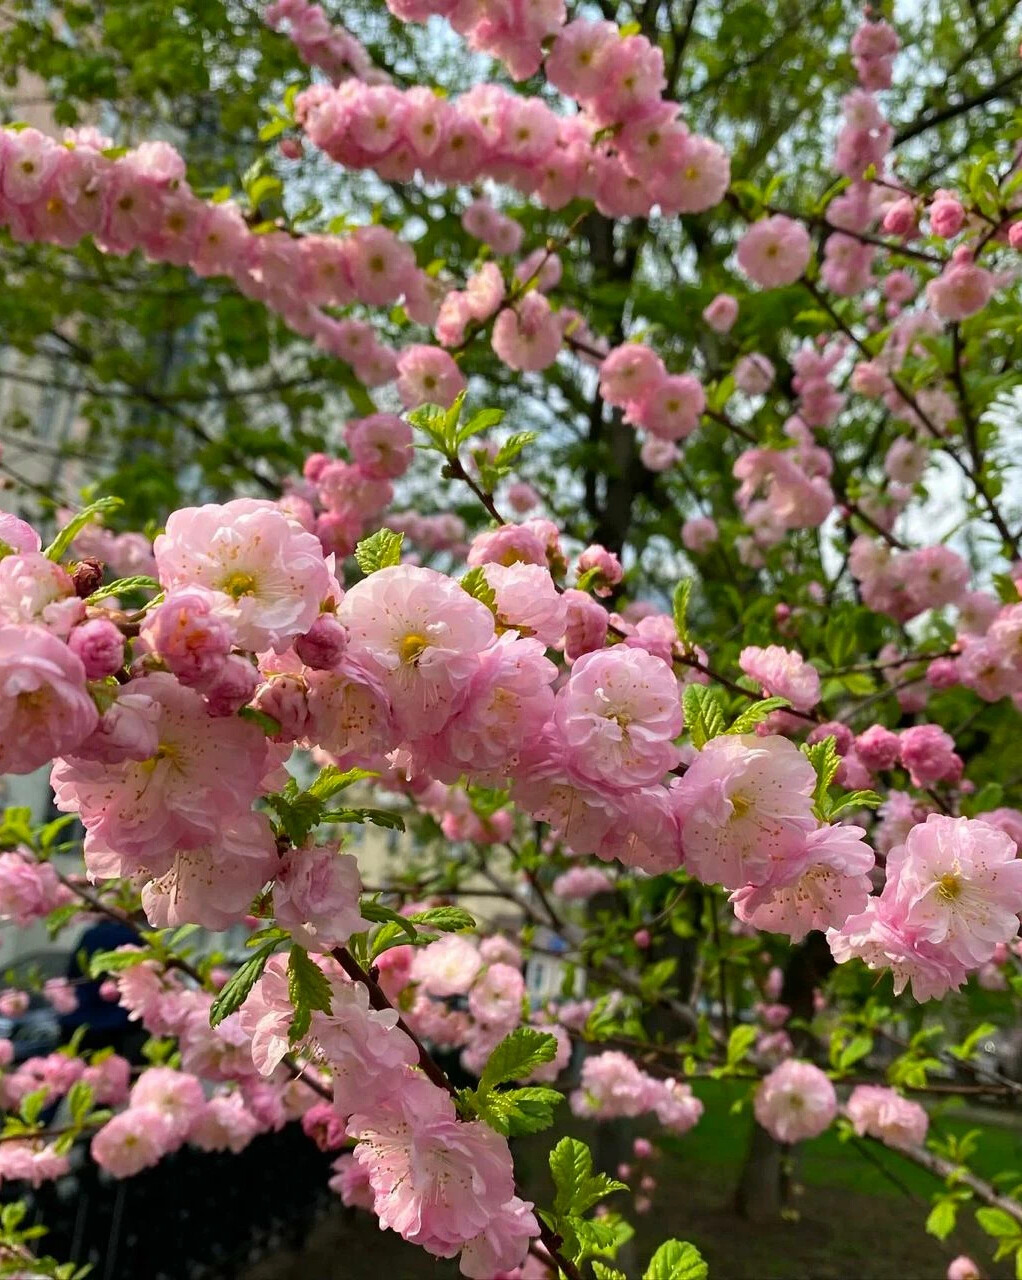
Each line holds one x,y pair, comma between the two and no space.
299,813
67,535
444,919
381,550
855,800
704,714
756,714
308,989
602,1271
676,1260
378,817
474,582
682,593
824,758
479,422
577,1187
517,1056
516,1112
101,962
331,780
139,582
233,994
512,447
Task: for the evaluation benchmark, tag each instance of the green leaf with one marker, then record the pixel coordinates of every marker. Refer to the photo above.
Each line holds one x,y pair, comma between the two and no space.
67,535
233,994
445,920
122,586
941,1221
299,812
377,913
101,962
756,714
479,422
308,988
855,800
577,1187
517,1056
267,723
995,1222
682,593
704,713
512,447
380,550
604,1272
378,817
825,760
739,1043
676,1260
474,582
331,780
515,1112
80,1098
857,1048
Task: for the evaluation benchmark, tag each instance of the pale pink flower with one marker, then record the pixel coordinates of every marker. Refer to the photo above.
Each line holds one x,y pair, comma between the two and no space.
447,967
495,999
880,939
45,708
795,1101
963,1268
928,753
270,572
619,713
612,1086
223,1123
699,534
578,884
774,251
527,337
438,1181
214,885
428,375
28,889
35,590
205,772
527,600
956,883
316,896
721,313
351,1182
962,289
832,885
177,1095
754,374
746,807
132,1141
782,673
421,634
885,1114
191,632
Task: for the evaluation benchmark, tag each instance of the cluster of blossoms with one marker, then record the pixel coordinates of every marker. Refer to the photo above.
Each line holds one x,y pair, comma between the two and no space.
612,1086
667,407
907,583
952,893
490,132
59,193
322,44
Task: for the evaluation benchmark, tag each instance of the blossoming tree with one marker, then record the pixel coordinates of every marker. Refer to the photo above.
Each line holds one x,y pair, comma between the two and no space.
662,571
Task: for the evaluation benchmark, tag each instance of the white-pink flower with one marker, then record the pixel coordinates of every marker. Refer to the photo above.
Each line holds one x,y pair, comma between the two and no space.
885,1114
795,1101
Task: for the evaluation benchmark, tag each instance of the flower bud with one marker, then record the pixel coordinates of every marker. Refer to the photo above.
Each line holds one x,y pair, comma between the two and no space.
100,646
323,645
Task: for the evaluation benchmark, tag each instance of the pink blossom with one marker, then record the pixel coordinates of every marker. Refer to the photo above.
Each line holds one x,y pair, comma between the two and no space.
224,1123
191,633
928,753
351,1182
746,807
428,375
269,571
611,1086
421,634
133,1140
782,673
699,534
177,1095
774,251
495,998
316,896
754,374
963,1268
45,708
447,967
721,313
437,1181
946,214
884,1114
204,773
629,374
527,600
29,889
618,713
878,748
323,645
962,289
578,884
99,645
527,337
795,1101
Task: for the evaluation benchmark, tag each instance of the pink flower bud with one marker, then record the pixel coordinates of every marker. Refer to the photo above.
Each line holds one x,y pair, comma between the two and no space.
291,148
284,698
641,938
900,218
232,687
1015,235
323,645
100,646
946,215
942,673
877,747
642,1148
